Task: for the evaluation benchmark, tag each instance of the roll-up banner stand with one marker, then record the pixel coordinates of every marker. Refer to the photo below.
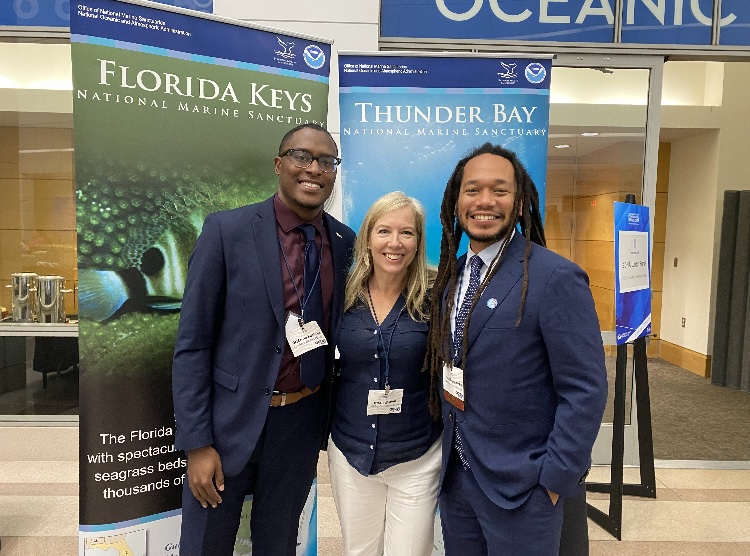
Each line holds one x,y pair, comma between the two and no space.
632,272
176,114
407,119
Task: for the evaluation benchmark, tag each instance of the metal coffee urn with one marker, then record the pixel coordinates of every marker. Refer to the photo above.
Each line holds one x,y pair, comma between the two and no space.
50,300
23,299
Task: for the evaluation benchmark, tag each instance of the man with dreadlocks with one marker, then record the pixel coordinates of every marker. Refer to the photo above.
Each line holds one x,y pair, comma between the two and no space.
517,364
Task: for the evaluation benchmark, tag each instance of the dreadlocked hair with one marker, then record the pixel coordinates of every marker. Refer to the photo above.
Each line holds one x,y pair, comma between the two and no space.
439,341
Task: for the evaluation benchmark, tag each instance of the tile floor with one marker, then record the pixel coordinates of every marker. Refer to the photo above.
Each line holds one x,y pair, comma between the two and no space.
697,512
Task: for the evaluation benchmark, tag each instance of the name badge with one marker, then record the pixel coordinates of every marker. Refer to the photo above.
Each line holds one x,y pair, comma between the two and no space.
303,336
453,386
382,402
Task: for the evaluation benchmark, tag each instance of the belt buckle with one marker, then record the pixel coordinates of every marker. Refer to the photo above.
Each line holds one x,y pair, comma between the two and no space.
283,399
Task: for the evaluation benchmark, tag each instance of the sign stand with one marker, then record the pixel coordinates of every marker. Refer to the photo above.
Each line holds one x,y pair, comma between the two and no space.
612,522
634,317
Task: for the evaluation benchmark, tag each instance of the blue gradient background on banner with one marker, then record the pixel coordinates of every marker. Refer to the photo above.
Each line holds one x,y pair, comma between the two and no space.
631,308
376,163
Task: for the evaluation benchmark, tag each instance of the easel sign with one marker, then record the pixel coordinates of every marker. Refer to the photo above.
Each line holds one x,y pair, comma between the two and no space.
633,272
633,324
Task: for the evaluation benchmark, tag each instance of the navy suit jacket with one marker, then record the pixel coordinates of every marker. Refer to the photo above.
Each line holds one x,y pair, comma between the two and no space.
231,334
534,394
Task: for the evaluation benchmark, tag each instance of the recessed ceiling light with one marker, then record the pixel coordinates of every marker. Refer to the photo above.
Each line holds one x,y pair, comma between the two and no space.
562,146
589,134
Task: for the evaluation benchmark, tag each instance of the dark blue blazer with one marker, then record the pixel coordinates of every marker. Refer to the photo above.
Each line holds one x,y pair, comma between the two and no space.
231,334
535,393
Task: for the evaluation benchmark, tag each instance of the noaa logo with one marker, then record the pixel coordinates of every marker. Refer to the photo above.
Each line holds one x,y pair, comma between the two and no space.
314,56
535,73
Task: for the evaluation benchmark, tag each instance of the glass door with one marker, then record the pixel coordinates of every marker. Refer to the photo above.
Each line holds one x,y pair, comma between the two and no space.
603,145
38,361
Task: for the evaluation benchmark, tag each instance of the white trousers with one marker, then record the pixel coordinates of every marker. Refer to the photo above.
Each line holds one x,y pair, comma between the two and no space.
391,513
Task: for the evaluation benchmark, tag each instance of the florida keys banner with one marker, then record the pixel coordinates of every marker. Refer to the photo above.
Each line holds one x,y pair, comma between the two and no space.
406,120
177,114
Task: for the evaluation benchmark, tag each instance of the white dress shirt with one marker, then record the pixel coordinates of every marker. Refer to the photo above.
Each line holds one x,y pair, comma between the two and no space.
487,255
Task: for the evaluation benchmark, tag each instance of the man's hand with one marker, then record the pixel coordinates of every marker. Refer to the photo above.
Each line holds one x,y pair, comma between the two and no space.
552,496
205,475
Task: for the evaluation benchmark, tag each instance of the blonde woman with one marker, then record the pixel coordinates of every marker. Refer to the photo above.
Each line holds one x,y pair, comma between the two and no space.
384,456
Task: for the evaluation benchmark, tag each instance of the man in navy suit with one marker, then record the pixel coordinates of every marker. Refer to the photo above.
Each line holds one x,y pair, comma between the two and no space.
249,412
517,363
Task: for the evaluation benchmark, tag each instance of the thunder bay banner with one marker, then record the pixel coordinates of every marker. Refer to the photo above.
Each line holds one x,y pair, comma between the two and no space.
176,114
406,120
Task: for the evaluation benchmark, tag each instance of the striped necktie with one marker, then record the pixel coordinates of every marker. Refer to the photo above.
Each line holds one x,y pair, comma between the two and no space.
463,312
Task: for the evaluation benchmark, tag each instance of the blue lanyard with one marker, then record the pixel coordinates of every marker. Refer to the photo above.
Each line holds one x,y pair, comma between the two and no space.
386,349
302,302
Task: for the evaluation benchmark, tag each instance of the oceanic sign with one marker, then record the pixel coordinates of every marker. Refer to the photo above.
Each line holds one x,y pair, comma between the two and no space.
643,21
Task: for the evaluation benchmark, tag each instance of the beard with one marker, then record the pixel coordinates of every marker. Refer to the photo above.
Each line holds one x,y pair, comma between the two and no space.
491,237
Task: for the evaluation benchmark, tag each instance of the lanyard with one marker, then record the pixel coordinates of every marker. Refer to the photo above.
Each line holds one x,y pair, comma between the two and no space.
386,349
302,302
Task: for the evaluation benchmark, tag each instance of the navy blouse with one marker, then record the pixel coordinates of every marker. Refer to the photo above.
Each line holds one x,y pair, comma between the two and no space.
373,443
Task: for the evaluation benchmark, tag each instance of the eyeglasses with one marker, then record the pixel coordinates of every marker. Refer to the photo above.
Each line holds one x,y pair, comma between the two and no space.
302,159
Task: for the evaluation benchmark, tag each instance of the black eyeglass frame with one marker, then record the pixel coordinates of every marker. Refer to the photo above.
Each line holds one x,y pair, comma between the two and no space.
337,160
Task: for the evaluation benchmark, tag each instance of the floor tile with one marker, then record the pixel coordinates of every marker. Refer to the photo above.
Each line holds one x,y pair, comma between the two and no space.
713,495
330,546
43,516
325,491
697,512
615,548
35,546
662,494
630,475
328,520
38,472
39,489
680,521
323,475
704,478
34,443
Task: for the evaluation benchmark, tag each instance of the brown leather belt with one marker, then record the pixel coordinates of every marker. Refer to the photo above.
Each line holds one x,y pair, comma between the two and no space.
280,400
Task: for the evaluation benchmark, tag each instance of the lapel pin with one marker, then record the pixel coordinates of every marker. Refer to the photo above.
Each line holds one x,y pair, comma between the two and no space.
492,303
339,235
